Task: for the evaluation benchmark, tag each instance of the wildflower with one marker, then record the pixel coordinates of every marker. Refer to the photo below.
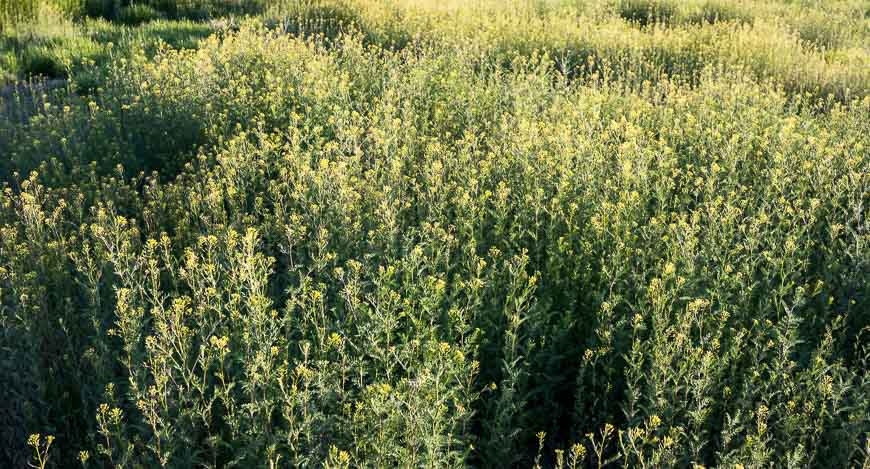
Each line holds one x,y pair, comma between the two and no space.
303,372
220,344
637,320
335,340
698,304
115,415
578,452
761,418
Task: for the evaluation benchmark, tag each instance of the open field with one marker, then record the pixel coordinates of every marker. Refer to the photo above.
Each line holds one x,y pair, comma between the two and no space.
398,233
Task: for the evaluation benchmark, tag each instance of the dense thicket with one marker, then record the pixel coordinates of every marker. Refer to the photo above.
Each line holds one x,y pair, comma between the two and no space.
422,242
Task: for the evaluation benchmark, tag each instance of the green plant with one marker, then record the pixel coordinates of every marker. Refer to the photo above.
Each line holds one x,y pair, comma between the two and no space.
40,449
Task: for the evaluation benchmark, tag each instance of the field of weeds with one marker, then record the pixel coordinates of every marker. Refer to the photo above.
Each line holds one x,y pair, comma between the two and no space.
420,233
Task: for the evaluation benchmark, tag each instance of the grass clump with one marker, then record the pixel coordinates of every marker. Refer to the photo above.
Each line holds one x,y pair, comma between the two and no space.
644,12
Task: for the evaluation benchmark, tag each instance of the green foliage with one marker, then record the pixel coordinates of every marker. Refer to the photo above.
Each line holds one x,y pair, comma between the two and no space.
646,12
137,14
81,51
387,234
13,12
124,10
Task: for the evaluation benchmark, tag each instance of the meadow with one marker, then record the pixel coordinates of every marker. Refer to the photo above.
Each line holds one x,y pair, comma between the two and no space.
420,233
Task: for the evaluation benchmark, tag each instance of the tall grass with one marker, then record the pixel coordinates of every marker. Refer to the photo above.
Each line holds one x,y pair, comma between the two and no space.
13,12
580,41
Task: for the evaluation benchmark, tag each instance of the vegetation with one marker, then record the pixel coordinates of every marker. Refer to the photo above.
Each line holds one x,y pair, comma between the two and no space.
381,233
